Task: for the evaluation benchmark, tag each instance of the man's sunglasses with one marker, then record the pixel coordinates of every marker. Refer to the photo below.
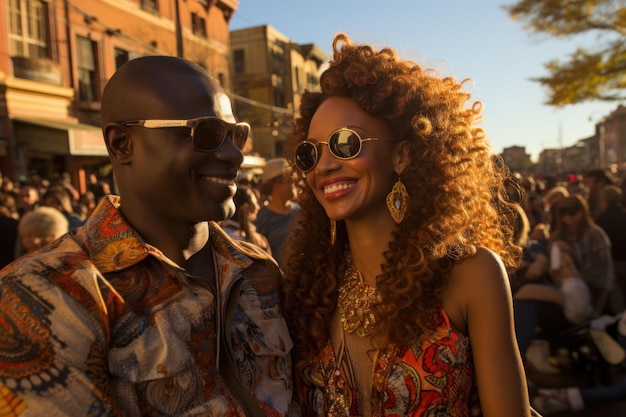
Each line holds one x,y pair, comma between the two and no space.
343,143
207,133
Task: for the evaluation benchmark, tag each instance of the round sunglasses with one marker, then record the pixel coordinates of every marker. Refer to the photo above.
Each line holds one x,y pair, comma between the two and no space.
343,144
207,133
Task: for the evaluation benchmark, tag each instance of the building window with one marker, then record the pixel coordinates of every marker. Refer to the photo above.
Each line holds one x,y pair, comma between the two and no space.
121,57
198,25
279,98
28,29
87,64
150,6
240,61
296,72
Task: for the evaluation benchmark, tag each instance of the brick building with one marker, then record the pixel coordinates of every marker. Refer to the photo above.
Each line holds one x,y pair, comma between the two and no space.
56,56
270,73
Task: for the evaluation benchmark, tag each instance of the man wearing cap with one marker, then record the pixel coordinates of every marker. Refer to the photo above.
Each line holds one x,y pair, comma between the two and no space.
279,210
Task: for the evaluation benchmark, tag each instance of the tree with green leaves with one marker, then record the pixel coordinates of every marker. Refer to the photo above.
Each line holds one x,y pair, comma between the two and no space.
597,73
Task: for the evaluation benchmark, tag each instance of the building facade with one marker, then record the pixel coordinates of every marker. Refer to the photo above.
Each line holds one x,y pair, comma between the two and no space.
516,159
270,72
56,56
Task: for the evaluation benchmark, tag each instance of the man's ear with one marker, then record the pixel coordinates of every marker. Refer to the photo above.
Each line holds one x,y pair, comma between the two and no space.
402,156
119,143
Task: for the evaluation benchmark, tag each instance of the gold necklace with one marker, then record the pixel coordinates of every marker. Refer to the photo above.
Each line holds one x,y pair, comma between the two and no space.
355,300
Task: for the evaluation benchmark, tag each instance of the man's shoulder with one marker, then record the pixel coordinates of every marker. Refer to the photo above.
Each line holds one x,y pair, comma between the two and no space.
57,256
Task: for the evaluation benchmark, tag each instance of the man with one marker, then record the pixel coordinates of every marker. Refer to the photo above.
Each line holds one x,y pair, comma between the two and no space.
150,309
28,199
275,216
595,180
613,220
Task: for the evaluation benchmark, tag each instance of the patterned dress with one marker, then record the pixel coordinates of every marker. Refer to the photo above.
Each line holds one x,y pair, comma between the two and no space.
100,323
434,378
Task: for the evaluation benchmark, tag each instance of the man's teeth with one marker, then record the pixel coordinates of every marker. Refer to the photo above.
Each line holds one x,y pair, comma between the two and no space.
336,187
219,180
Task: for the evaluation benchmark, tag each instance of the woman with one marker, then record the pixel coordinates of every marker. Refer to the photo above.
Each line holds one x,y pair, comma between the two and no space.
241,225
395,288
591,249
57,197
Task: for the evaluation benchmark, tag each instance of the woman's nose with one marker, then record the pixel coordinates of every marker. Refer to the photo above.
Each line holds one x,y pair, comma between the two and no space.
326,161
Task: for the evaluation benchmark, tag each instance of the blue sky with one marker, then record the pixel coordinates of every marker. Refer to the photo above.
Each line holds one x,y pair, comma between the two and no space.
463,38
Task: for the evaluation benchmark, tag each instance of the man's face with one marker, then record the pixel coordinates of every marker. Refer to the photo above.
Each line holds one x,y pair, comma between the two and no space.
28,196
171,180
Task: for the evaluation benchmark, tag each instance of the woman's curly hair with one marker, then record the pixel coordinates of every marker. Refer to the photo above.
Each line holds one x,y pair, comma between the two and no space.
455,188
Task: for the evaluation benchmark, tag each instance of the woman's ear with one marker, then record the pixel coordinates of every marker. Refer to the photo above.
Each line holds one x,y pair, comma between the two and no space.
402,156
118,143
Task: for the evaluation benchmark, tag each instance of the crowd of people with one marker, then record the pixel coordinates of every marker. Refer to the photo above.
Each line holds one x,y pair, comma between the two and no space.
573,233
35,211
387,265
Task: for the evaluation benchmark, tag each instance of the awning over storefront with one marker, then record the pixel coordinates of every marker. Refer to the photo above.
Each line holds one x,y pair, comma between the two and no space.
59,137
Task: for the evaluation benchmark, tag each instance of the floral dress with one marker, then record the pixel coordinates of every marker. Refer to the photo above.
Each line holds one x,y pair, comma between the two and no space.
433,378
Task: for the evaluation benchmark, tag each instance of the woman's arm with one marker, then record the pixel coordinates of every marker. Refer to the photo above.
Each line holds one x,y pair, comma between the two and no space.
540,292
480,287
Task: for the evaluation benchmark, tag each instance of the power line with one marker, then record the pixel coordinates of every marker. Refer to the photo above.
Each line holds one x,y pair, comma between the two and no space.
262,105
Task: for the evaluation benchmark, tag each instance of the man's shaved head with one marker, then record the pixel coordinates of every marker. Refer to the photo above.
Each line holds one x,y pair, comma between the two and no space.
126,95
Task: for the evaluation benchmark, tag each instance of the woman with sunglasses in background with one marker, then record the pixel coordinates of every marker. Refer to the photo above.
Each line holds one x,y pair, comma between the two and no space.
396,291
591,249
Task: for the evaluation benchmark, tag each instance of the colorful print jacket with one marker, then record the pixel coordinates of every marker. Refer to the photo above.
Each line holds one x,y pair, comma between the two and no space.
100,323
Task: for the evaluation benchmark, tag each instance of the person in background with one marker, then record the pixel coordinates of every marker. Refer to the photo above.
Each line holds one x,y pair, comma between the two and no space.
396,290
65,180
88,203
612,220
533,267
595,180
557,307
532,202
29,198
150,309
551,199
241,225
8,229
591,250
558,400
8,187
278,210
57,197
39,227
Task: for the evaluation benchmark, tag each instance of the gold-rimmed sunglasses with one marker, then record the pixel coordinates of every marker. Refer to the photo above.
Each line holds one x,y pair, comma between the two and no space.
207,133
343,144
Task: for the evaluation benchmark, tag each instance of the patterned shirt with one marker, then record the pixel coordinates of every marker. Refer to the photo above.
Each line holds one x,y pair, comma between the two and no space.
435,377
99,323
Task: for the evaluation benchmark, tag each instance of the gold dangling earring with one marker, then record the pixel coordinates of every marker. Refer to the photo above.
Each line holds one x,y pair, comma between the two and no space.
397,201
333,232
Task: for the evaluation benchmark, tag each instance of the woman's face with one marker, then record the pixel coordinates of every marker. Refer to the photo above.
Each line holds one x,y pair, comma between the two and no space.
571,214
354,188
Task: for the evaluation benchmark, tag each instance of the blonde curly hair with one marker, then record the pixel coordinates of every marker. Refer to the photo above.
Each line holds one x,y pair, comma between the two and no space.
453,181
